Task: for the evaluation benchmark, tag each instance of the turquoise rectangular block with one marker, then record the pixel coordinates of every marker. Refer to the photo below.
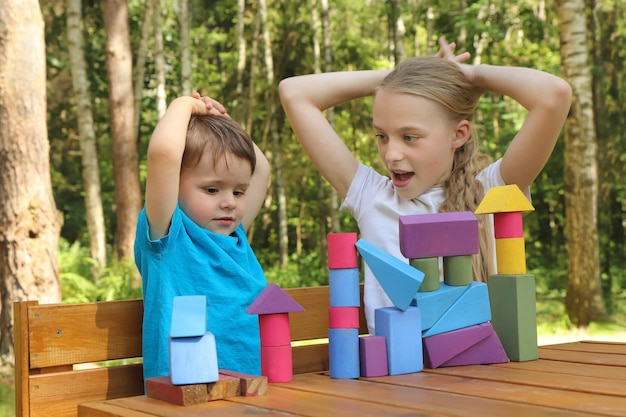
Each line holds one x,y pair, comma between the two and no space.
188,316
403,333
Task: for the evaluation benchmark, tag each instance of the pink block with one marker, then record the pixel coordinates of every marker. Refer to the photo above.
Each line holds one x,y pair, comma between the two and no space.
277,363
373,353
274,329
343,317
473,345
507,225
342,251
438,234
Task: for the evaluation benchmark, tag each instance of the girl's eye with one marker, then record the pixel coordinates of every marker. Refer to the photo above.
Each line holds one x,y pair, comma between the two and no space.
212,190
410,138
381,137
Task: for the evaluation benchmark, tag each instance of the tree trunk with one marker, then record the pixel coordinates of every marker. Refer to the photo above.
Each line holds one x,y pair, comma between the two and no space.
583,301
159,61
128,199
140,63
29,221
241,64
87,136
185,57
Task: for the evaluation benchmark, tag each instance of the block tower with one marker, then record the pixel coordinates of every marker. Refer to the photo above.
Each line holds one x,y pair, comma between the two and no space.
343,312
511,290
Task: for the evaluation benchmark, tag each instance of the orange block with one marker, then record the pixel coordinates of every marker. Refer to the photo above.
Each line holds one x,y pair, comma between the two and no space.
511,256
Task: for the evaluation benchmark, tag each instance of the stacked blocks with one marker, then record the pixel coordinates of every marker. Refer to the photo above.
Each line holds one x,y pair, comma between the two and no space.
511,290
343,312
273,306
192,350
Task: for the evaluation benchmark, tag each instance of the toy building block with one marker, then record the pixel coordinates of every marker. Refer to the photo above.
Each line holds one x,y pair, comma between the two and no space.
504,199
344,287
188,316
430,268
511,256
472,307
343,353
343,317
226,386
433,304
341,251
457,270
473,345
513,306
373,356
193,360
402,332
507,225
438,234
251,385
274,329
273,300
277,363
161,388
399,279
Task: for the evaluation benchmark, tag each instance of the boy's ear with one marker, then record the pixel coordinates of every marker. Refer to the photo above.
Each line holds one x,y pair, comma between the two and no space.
461,134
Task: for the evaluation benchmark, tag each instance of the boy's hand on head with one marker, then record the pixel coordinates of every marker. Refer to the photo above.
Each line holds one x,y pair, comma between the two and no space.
212,106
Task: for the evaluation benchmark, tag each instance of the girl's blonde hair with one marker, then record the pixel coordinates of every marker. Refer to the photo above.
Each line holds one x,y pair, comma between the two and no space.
443,83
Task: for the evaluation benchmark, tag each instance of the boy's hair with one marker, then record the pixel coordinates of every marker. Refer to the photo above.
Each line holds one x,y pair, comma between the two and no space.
219,135
442,82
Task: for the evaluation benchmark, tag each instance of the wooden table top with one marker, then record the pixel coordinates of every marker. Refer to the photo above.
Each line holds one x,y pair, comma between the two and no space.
578,379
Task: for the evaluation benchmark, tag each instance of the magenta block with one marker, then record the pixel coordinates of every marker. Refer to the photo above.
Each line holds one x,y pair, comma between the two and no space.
343,317
341,251
277,363
473,345
274,329
373,353
273,299
507,225
438,234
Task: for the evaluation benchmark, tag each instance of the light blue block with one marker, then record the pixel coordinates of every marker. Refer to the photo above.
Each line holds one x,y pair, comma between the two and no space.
188,316
343,353
399,279
433,304
403,332
193,360
471,308
344,287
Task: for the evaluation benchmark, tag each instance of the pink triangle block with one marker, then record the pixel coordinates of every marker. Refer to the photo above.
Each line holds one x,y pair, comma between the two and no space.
273,300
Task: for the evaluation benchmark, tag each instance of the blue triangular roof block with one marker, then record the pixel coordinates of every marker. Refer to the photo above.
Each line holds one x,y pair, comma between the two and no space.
273,300
399,279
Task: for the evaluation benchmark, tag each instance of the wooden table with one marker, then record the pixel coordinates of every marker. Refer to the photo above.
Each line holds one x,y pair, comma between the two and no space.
578,379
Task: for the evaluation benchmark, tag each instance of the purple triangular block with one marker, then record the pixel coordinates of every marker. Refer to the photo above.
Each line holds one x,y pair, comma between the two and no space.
273,300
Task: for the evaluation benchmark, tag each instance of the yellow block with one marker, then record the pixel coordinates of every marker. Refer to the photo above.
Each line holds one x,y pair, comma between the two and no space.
504,199
511,256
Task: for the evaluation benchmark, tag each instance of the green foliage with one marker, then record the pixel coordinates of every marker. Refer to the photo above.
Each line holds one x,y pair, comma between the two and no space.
7,399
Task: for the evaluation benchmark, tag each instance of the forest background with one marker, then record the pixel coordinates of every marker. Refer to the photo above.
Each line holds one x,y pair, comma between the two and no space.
110,69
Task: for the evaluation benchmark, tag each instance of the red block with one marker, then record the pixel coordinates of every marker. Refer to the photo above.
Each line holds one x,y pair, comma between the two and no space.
506,225
342,251
274,329
343,317
277,363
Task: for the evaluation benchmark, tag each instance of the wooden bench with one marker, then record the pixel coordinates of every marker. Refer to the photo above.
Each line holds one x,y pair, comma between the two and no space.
57,345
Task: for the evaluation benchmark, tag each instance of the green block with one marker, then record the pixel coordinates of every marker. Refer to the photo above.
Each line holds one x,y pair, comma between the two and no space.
430,268
514,314
457,270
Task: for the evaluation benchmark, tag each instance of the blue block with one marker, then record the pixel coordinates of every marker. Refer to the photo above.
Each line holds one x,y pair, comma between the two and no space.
193,360
188,316
403,332
344,287
433,304
399,279
471,308
343,353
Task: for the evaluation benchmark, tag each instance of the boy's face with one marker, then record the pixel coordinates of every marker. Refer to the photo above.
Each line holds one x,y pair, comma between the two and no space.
213,195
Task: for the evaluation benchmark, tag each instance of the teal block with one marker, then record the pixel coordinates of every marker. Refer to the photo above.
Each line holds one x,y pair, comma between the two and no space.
433,304
514,311
399,279
471,308
188,316
343,353
193,360
402,331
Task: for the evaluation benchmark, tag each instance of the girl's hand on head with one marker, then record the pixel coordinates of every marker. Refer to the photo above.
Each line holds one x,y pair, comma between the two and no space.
447,52
211,106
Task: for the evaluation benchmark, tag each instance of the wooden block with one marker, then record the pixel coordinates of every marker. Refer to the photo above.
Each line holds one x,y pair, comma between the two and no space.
473,345
511,256
457,270
193,360
373,356
188,316
514,311
251,385
402,332
343,353
343,317
273,299
438,234
226,386
399,279
161,388
434,304
274,329
341,251
504,199
430,268
277,363
344,287
507,225
472,307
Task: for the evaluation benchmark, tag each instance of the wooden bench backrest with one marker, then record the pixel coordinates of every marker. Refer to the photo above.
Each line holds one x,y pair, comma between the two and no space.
53,343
